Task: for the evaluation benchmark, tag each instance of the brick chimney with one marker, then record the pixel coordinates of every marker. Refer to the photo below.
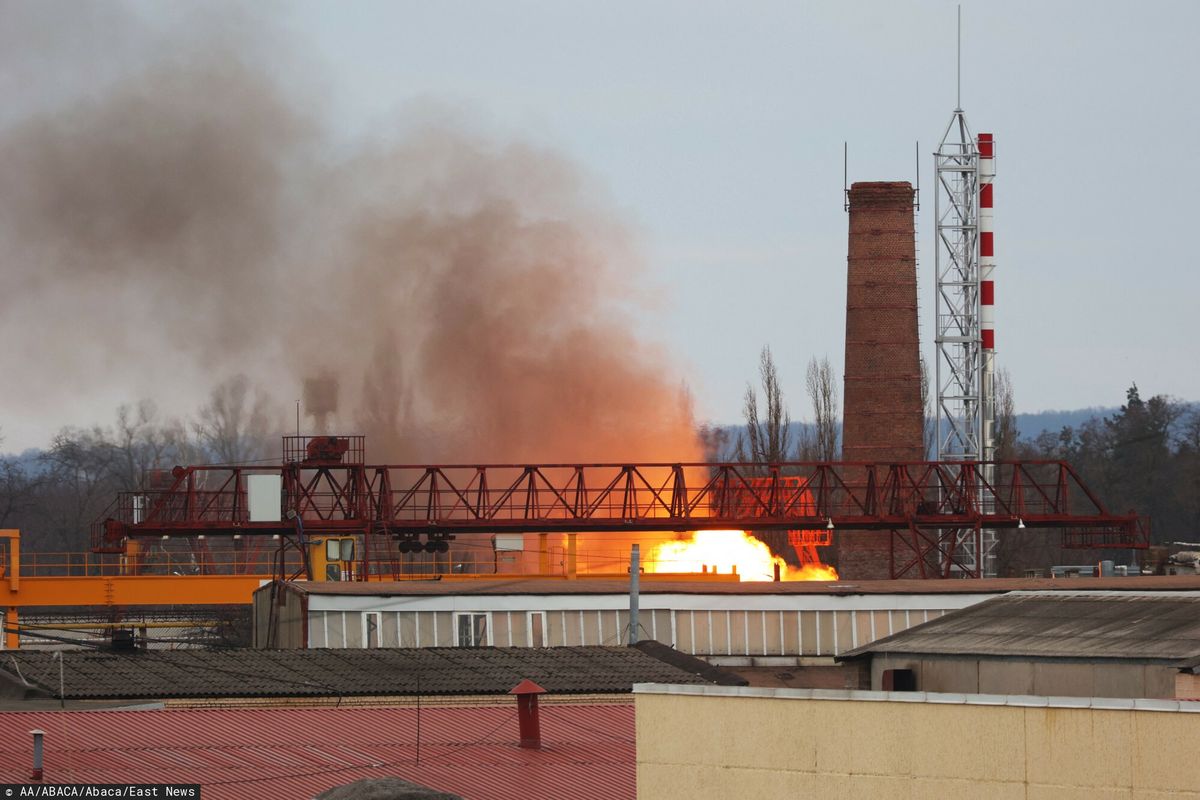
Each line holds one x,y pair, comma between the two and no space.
883,419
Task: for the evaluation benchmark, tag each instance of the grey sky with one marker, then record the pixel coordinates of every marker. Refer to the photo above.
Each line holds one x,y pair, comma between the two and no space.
717,131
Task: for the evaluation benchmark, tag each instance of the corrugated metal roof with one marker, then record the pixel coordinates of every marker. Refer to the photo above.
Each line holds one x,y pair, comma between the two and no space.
690,664
296,753
544,586
332,673
1139,626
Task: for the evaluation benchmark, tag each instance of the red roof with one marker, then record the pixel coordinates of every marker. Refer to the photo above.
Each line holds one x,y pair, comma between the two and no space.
295,753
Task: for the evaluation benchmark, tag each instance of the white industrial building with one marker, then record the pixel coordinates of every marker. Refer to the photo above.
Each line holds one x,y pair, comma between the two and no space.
707,618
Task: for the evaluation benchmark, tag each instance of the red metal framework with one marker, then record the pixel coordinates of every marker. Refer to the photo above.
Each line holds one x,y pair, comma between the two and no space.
910,499
324,450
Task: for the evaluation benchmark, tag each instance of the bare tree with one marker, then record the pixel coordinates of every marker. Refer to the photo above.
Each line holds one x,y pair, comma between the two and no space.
822,391
1005,430
769,436
928,420
235,425
143,443
17,489
79,473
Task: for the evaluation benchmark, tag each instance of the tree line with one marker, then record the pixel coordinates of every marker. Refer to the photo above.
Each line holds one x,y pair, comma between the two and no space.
1144,457
54,495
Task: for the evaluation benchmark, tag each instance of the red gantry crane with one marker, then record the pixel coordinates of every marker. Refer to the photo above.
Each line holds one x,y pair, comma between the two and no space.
324,488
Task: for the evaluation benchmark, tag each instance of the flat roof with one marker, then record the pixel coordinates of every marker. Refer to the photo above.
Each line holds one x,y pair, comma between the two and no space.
942,698
586,586
1140,625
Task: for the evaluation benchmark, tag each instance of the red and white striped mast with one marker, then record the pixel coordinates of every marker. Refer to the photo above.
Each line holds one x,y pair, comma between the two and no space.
985,146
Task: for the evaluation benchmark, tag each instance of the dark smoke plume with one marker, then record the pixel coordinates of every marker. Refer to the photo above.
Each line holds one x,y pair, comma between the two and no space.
188,218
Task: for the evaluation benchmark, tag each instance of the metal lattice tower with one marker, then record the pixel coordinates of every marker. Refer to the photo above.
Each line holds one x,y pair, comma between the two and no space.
965,355
956,305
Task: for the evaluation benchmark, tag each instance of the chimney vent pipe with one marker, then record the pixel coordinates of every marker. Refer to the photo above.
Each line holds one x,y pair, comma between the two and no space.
634,592
527,713
38,736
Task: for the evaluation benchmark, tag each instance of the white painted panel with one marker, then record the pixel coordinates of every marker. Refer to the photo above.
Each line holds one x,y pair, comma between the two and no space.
265,493
509,542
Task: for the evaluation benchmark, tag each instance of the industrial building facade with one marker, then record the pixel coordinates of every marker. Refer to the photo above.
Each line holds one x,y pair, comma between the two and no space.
708,620
1071,644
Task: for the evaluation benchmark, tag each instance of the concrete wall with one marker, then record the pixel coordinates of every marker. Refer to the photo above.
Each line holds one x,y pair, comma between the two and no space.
718,742
1032,676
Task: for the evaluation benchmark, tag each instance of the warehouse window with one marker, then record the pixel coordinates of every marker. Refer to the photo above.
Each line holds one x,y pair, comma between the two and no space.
371,629
537,628
472,630
899,680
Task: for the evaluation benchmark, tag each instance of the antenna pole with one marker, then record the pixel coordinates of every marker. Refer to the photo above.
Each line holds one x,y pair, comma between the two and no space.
958,85
918,194
845,177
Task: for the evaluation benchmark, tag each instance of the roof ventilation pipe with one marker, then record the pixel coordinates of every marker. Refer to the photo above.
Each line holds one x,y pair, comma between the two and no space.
527,713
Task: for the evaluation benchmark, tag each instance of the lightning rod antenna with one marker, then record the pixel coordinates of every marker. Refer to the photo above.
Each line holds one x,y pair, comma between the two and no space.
845,176
918,194
958,84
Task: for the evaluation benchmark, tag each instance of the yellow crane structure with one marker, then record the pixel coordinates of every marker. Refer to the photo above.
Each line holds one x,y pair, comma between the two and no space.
46,591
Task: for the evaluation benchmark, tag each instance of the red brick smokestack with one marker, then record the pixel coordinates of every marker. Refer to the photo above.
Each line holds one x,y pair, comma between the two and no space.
883,420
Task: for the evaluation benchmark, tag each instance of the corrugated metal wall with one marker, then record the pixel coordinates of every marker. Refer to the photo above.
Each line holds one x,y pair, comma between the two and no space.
699,632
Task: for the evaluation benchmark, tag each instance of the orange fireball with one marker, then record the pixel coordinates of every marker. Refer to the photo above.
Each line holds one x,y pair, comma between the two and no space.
730,552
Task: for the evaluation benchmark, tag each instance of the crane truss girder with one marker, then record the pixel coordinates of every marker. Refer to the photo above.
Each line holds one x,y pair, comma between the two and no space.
440,500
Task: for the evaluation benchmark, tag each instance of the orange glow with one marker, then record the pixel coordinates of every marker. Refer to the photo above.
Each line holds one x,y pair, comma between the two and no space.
723,551
812,572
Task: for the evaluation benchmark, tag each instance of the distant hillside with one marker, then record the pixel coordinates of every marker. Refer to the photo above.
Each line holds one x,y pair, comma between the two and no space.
27,460
1030,425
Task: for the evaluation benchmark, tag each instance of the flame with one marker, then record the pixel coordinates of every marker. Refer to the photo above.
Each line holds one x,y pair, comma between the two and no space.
727,551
